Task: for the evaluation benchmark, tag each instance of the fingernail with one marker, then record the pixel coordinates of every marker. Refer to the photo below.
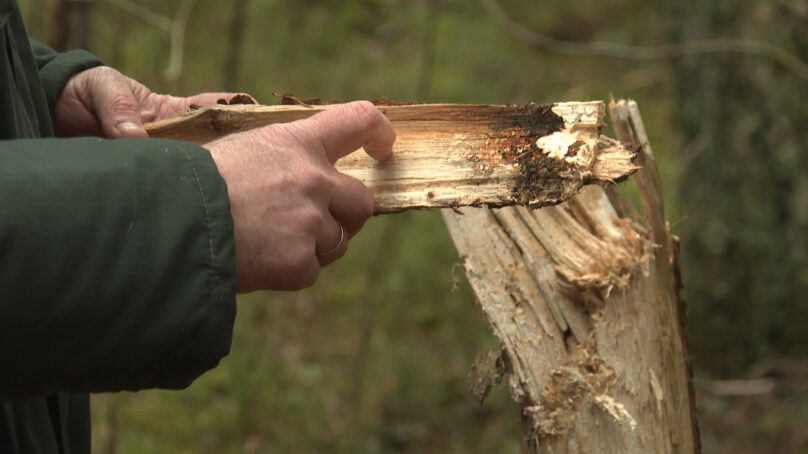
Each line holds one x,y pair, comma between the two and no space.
130,128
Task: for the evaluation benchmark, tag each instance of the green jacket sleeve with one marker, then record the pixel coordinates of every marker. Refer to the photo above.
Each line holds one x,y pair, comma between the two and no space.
118,265
55,69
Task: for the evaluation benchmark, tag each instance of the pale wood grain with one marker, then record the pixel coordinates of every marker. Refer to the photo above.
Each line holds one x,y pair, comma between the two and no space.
450,155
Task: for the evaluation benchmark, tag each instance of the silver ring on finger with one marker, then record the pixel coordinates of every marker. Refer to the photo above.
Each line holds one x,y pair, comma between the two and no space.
337,247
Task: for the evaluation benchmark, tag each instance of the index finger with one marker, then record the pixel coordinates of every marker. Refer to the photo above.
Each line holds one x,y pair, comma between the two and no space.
343,129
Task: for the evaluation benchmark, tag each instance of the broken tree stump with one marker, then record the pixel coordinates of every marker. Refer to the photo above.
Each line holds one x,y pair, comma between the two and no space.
451,155
584,298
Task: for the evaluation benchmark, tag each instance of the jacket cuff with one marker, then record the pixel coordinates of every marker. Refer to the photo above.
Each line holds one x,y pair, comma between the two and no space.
55,69
221,308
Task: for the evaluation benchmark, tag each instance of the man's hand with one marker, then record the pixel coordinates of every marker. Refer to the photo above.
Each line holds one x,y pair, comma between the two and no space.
293,212
103,102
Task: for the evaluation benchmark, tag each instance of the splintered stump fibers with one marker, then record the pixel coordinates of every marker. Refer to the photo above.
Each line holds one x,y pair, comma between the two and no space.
584,297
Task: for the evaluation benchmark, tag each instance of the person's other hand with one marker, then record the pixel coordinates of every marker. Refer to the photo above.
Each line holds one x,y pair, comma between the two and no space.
103,102
293,213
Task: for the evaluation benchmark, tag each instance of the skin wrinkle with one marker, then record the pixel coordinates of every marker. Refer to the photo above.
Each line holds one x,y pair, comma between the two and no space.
286,198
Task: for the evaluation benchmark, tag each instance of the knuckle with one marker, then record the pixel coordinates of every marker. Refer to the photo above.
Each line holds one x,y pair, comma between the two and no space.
313,181
122,102
297,262
365,113
101,72
311,219
303,271
367,204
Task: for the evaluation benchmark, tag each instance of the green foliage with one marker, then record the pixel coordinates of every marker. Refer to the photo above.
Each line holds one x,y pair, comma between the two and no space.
745,242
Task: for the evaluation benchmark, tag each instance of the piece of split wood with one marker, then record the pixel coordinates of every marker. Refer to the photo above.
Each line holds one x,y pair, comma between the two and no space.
453,155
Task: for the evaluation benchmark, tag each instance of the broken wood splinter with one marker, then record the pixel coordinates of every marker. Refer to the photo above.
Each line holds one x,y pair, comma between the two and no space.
453,155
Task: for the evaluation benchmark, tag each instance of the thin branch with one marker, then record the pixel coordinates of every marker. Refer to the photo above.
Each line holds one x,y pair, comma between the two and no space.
145,14
698,143
661,52
175,28
178,40
751,387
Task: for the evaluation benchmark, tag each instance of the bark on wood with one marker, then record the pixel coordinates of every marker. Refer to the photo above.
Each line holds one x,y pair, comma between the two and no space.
449,155
585,301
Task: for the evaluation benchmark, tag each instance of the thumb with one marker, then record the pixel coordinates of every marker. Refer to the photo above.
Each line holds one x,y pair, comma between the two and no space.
116,106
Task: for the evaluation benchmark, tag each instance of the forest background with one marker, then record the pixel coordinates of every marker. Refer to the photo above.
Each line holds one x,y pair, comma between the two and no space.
374,357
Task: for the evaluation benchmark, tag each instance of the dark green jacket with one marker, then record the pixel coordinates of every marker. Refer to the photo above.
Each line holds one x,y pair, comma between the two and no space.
117,261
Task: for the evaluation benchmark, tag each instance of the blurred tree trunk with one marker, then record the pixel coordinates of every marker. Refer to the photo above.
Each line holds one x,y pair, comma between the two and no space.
238,23
584,298
70,24
35,19
123,23
432,13
742,124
